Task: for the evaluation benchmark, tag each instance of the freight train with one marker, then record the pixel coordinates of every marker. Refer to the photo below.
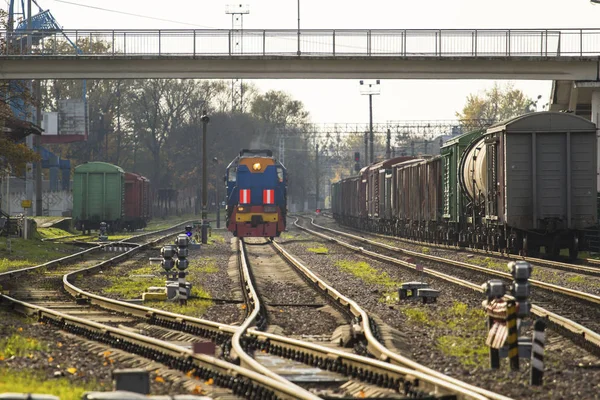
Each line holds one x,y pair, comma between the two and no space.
522,184
256,195
103,192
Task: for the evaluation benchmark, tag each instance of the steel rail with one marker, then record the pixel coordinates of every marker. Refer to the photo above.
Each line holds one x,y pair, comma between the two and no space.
58,261
589,336
594,271
378,349
548,286
246,359
213,329
185,356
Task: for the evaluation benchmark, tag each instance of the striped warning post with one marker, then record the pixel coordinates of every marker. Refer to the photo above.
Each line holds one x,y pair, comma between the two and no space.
182,288
513,335
537,352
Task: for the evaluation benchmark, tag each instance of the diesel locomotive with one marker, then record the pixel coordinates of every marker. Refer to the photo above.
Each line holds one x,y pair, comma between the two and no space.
522,184
256,195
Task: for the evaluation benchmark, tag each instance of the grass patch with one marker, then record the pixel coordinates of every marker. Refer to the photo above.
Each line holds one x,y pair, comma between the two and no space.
209,267
287,236
319,250
463,330
195,307
50,233
19,346
365,272
425,250
27,253
416,315
131,288
464,348
576,279
30,382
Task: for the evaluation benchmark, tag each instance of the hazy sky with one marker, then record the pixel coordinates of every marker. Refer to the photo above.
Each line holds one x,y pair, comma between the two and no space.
340,100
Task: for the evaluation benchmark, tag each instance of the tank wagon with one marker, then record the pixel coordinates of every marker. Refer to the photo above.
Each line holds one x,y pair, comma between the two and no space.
520,185
137,201
98,196
256,195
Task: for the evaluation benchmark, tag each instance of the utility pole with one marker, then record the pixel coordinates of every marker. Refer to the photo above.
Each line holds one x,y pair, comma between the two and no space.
387,144
205,119
317,177
38,146
298,52
27,109
371,89
237,12
366,148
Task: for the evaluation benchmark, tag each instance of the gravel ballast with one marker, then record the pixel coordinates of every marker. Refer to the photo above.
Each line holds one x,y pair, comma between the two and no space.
448,335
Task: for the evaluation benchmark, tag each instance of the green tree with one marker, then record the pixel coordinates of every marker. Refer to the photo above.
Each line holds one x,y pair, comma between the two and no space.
496,104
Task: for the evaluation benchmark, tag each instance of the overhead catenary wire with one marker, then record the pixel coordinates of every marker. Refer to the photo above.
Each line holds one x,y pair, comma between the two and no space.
132,14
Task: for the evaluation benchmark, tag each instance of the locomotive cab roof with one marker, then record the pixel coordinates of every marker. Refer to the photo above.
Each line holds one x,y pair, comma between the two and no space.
256,153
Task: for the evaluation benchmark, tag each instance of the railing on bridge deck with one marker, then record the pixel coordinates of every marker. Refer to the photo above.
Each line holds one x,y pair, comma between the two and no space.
326,43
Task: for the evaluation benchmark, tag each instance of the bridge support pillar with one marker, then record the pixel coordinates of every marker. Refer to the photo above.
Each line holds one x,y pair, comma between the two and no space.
596,120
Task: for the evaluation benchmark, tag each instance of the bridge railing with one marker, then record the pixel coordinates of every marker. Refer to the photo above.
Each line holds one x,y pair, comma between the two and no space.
343,43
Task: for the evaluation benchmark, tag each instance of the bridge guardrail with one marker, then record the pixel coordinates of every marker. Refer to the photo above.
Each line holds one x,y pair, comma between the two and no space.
478,43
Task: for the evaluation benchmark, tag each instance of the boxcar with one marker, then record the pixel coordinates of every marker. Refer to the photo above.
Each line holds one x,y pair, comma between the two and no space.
98,196
540,180
137,201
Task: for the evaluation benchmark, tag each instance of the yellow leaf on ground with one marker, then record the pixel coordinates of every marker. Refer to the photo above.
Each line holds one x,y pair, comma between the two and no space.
59,344
198,390
243,306
210,381
106,354
30,355
20,329
50,359
105,363
1,358
72,370
190,373
362,394
159,379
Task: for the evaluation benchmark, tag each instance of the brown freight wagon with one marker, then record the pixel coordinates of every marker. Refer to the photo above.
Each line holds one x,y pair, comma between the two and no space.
137,201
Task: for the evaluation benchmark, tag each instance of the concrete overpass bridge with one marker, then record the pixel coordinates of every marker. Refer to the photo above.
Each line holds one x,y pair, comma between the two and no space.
548,54
568,57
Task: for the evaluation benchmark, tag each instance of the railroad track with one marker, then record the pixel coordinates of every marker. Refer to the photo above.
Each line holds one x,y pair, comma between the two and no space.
65,315
240,379
593,269
587,336
387,367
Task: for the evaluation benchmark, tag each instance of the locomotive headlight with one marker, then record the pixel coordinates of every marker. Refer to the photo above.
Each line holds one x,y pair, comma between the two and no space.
256,166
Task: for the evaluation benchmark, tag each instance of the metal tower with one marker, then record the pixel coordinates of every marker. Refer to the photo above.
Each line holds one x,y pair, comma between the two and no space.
237,12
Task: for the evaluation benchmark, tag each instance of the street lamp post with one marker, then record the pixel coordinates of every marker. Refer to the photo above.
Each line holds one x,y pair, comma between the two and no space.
205,119
218,199
370,89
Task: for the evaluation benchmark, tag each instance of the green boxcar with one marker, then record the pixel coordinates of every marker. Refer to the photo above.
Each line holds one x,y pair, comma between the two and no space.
98,196
453,200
